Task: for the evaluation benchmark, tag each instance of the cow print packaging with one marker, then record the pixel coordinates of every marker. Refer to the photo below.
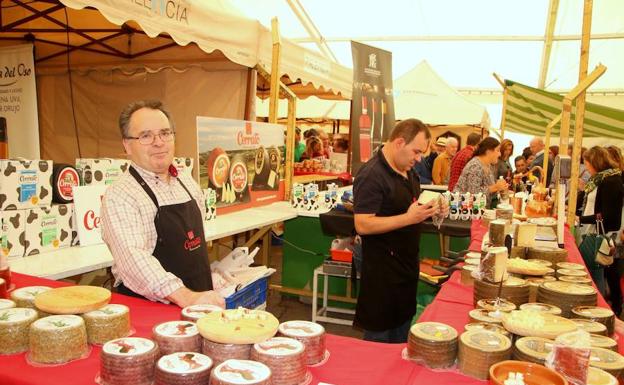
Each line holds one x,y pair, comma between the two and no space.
25,183
102,171
13,232
48,229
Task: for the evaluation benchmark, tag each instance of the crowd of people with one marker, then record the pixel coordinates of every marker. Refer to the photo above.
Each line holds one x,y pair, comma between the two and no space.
317,144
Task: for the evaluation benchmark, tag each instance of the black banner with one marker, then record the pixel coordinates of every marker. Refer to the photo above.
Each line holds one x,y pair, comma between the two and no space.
372,106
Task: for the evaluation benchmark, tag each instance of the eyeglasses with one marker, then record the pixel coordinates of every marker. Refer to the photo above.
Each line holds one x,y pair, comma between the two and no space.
148,137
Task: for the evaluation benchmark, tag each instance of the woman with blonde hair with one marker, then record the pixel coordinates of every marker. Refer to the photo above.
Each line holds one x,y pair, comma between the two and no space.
314,148
503,167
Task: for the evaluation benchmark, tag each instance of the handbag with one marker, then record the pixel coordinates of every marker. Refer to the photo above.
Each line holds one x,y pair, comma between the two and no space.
597,248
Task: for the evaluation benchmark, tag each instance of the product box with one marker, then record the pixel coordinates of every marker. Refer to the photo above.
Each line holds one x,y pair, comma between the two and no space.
25,183
297,196
210,197
103,171
13,232
48,229
184,165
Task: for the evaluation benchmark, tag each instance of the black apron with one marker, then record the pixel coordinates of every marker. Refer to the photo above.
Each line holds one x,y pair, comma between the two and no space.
390,264
181,245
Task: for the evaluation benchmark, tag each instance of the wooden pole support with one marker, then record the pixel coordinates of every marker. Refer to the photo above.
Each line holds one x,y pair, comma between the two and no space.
275,71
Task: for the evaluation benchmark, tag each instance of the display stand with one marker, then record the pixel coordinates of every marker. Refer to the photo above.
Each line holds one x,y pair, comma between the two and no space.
322,313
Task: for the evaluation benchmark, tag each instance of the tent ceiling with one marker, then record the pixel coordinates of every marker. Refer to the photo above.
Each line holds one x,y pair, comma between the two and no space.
464,40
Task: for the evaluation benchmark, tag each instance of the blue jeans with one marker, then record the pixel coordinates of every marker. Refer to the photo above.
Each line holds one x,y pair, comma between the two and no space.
397,335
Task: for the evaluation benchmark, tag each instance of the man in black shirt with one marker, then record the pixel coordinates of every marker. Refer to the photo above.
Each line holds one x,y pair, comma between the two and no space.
387,218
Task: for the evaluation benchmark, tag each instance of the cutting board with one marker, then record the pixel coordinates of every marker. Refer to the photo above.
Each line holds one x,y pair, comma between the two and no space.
72,299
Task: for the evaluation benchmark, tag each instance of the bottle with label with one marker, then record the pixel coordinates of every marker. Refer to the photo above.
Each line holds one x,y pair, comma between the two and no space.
4,139
365,132
383,120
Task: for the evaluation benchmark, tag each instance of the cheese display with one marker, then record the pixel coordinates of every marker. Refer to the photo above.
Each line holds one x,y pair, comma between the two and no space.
497,233
57,339
128,361
599,314
496,304
589,326
177,336
222,352
515,290
14,328
496,328
238,326
597,376
518,252
183,368
566,295
579,280
482,315
570,265
541,308
72,299
570,356
598,341
107,323
607,360
532,349
285,357
534,283
530,323
195,312
553,255
524,267
433,344
25,296
525,234
25,184
241,372
493,266
479,349
310,334
6,303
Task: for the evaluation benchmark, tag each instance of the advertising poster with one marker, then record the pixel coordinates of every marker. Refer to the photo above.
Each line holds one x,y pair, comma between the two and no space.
87,204
242,161
372,108
19,121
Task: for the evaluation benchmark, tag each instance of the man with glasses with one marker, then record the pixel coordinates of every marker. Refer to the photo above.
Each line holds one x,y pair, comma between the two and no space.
152,218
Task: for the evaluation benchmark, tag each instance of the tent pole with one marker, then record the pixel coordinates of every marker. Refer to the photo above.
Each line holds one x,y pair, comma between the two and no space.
553,9
502,124
580,112
290,145
275,72
549,128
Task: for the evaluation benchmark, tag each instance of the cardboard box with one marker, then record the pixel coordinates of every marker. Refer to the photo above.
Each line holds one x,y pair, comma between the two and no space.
13,232
210,197
184,165
25,183
48,229
103,171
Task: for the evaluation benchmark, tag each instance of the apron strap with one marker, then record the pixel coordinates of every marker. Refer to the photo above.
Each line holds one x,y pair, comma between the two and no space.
148,190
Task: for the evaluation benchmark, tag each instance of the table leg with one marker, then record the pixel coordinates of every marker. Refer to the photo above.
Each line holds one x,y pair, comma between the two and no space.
314,294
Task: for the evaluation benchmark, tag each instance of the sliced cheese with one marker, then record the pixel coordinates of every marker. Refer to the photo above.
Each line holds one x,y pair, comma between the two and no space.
525,234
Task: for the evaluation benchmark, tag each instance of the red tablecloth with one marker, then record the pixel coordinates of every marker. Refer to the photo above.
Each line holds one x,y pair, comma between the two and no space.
351,361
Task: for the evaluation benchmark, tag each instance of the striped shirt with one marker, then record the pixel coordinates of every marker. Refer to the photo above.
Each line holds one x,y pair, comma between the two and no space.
129,232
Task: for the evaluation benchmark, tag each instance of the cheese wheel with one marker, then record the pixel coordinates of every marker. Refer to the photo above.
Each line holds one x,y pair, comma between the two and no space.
128,361
194,312
311,334
57,339
218,166
222,352
493,305
607,360
598,341
571,273
482,315
285,357
72,299
541,308
241,372
14,328
597,376
570,265
107,323
238,326
554,255
480,349
6,304
591,327
532,349
433,344
25,296
487,327
177,336
183,368
238,174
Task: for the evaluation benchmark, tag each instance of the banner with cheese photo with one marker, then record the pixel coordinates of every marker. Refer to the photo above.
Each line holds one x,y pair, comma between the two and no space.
242,161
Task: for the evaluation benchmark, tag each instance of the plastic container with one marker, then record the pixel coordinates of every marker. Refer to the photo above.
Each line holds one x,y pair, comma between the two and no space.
250,297
341,255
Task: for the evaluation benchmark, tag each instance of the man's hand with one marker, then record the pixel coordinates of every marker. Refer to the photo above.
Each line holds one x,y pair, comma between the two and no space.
501,185
184,297
417,213
210,297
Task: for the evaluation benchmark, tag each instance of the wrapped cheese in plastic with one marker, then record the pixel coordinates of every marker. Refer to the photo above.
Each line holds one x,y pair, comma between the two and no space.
570,356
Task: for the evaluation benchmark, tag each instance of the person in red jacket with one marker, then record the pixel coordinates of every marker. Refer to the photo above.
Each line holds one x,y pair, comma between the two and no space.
461,158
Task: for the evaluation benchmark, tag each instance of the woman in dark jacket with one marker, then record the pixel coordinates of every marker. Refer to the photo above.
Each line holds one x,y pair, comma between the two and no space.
604,194
614,272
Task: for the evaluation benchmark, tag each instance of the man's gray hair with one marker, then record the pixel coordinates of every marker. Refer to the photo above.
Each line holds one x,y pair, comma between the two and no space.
126,114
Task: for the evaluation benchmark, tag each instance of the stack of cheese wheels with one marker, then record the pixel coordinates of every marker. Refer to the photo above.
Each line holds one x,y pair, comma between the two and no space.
542,262
604,342
432,343
177,336
221,352
480,349
591,327
310,334
597,376
285,357
107,323
241,372
14,328
566,296
25,297
466,274
570,266
515,290
571,273
534,283
599,314
6,304
183,368
579,280
496,304
128,361
496,328
541,308
483,315
551,254
58,339
532,349
607,360
195,312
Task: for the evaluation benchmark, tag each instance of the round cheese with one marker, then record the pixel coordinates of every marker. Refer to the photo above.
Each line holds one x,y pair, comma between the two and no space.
14,329
25,296
177,336
183,368
195,312
285,357
6,304
72,299
107,323
311,334
597,376
238,326
57,339
241,372
129,360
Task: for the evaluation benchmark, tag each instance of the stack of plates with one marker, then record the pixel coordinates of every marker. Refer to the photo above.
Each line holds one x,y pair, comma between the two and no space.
432,343
607,360
603,342
515,290
566,295
532,349
479,349
599,314
493,305
591,327
311,334
488,327
579,280
541,308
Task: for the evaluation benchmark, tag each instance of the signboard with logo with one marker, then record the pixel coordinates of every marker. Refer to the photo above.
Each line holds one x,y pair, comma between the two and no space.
19,121
87,204
242,161
372,108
